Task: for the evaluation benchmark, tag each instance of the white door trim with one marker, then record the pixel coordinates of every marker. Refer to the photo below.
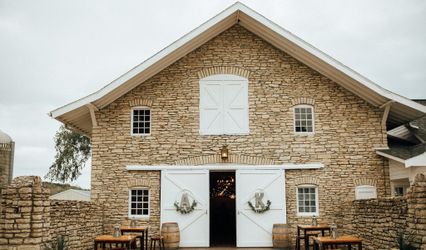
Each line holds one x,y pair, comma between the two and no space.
225,166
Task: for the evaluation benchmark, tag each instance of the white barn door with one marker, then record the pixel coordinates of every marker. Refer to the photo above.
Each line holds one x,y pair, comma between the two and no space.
224,105
194,226
255,229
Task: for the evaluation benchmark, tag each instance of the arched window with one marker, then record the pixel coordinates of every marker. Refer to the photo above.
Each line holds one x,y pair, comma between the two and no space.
224,105
304,119
141,121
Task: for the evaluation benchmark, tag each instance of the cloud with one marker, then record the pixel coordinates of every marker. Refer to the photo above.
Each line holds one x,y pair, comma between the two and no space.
54,52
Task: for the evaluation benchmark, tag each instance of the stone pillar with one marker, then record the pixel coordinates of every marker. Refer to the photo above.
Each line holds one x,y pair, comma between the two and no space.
416,222
25,214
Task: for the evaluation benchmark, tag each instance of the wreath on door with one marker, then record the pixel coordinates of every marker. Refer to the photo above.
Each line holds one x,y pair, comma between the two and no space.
259,207
185,207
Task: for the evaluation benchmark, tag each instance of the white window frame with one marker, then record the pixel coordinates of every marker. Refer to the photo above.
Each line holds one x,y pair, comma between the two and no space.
143,216
294,119
150,120
306,214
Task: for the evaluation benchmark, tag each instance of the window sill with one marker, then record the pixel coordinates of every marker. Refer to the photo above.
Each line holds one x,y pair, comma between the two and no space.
304,215
224,134
304,134
139,218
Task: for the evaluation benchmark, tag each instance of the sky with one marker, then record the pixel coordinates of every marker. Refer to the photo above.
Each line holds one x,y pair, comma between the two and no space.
54,52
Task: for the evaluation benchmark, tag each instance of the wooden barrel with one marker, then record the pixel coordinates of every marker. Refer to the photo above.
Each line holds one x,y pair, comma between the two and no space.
170,232
280,236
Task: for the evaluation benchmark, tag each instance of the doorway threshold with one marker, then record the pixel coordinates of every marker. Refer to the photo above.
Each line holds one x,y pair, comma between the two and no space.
225,248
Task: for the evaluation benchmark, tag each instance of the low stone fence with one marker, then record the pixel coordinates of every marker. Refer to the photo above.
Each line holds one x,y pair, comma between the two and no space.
24,217
78,221
379,221
29,220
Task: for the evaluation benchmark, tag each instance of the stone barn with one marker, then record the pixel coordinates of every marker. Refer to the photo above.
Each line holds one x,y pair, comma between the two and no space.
238,125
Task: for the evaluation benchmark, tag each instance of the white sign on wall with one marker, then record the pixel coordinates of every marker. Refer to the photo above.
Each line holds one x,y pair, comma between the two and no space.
365,192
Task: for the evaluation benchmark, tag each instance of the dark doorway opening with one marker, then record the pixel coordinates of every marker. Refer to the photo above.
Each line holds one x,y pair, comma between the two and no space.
222,209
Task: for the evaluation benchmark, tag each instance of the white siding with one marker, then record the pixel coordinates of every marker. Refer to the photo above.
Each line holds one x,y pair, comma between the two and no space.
397,170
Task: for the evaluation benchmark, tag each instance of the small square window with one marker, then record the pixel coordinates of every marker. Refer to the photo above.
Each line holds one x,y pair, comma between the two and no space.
141,121
139,202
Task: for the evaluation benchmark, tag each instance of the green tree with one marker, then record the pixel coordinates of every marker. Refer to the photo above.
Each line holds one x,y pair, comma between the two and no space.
72,152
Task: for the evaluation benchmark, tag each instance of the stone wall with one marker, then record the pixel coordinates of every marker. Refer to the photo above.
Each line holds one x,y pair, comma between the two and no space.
416,220
379,221
24,218
347,129
78,221
29,220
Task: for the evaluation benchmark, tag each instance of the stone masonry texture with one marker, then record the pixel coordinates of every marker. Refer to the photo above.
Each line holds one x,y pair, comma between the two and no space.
29,220
24,218
347,129
379,221
78,221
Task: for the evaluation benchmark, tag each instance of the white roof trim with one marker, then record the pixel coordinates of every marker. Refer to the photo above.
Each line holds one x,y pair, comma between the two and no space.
232,12
416,161
222,167
390,157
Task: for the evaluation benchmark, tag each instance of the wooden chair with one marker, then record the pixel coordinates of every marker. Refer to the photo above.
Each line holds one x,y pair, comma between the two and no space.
155,239
302,238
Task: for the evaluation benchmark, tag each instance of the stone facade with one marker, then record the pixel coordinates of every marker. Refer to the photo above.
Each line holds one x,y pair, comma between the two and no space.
347,129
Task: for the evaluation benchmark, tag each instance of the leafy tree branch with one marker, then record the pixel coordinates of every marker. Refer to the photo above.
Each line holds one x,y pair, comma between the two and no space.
72,152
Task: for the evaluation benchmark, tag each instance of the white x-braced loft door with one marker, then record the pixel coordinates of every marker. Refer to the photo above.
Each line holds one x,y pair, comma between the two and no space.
194,184
224,105
255,229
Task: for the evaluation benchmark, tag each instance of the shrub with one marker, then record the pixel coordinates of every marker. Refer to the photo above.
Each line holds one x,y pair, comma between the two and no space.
404,241
57,243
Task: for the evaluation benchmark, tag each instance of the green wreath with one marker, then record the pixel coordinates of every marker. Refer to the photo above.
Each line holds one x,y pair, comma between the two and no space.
185,210
262,210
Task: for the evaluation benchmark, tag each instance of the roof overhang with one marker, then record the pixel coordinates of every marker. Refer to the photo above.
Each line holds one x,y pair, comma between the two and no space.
416,161
76,115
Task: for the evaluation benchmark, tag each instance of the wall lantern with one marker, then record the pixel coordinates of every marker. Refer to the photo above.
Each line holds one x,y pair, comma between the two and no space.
224,152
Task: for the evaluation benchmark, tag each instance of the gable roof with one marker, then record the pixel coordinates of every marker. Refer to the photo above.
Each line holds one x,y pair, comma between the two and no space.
77,115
